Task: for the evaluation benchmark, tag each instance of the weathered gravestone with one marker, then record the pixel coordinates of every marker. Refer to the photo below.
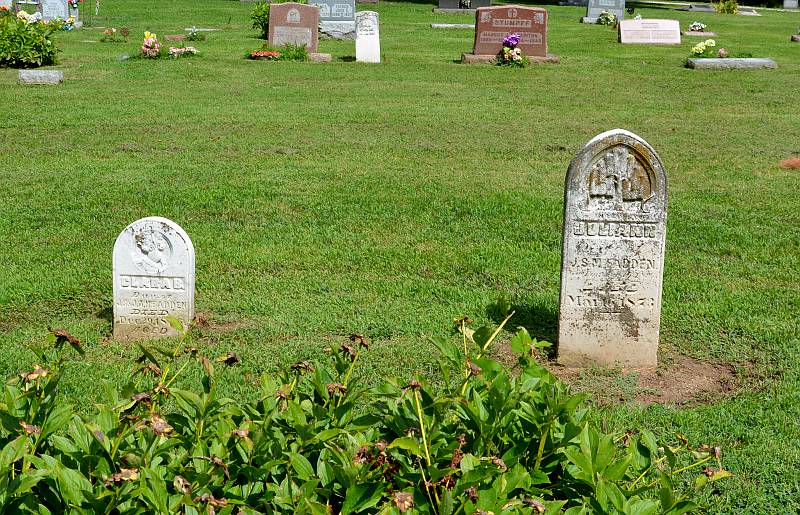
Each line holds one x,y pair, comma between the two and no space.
368,41
595,7
654,32
153,279
52,9
47,77
790,4
615,211
293,23
337,18
493,24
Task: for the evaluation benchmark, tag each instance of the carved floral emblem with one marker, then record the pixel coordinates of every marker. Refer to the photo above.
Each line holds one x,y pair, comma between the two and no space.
618,176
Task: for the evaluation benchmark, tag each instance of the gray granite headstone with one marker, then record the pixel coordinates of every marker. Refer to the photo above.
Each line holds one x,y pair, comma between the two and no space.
731,63
790,4
52,9
153,279
615,212
46,77
337,18
595,7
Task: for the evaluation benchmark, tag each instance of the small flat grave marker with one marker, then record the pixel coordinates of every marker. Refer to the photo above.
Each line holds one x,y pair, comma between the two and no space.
615,211
153,279
337,18
43,77
653,32
368,41
595,7
294,23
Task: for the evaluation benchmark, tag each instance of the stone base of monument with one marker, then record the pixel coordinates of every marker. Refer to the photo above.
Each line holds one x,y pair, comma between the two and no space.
453,11
698,33
795,38
488,59
316,57
730,63
46,77
452,25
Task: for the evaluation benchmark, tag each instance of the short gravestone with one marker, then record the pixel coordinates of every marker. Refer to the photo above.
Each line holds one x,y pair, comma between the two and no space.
652,32
41,77
702,8
615,211
493,24
52,9
153,279
455,5
790,4
337,18
293,23
595,7
731,63
368,41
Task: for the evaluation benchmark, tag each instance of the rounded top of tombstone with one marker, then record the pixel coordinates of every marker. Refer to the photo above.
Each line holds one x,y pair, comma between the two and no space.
174,227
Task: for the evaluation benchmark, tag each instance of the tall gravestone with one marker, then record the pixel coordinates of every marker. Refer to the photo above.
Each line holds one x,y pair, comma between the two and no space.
153,279
337,18
615,212
294,23
492,24
595,7
368,40
52,9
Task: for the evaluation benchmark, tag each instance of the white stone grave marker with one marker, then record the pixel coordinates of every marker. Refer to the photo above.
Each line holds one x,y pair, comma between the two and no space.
368,41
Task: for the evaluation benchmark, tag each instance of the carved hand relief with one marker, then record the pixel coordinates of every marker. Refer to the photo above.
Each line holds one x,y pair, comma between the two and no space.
613,253
620,176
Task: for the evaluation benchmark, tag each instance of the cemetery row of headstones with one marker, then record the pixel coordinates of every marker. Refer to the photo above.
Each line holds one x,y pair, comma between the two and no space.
615,209
49,9
300,24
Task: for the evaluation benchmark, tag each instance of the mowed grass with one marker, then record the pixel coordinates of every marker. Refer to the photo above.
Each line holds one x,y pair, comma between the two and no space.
325,199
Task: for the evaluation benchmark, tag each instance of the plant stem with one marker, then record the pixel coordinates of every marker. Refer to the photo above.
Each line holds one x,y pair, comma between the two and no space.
540,452
422,428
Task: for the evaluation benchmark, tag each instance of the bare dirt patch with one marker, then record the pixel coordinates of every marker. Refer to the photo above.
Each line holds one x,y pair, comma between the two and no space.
683,382
206,322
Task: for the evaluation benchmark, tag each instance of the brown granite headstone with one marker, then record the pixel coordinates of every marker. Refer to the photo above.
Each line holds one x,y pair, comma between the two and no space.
294,23
492,24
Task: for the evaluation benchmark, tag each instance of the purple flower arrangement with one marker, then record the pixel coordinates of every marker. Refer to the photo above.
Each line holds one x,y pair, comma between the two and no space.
511,55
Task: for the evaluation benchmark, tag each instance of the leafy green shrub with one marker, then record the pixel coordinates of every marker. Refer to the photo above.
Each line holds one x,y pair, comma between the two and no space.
260,15
317,442
26,41
727,6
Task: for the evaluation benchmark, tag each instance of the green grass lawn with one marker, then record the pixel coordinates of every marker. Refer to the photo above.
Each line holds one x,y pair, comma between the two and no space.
325,199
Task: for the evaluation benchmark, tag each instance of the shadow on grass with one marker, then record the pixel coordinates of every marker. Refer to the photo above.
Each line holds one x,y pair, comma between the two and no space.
540,319
347,59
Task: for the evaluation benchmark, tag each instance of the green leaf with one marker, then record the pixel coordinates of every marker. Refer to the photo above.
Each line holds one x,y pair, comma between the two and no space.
408,443
56,419
361,497
188,401
521,342
149,355
176,324
301,466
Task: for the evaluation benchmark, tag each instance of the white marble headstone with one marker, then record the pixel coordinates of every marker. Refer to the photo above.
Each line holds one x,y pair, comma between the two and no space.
368,41
652,32
52,9
153,279
615,213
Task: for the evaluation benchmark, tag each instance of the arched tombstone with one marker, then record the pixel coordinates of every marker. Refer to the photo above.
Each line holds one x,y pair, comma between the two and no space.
153,279
615,213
